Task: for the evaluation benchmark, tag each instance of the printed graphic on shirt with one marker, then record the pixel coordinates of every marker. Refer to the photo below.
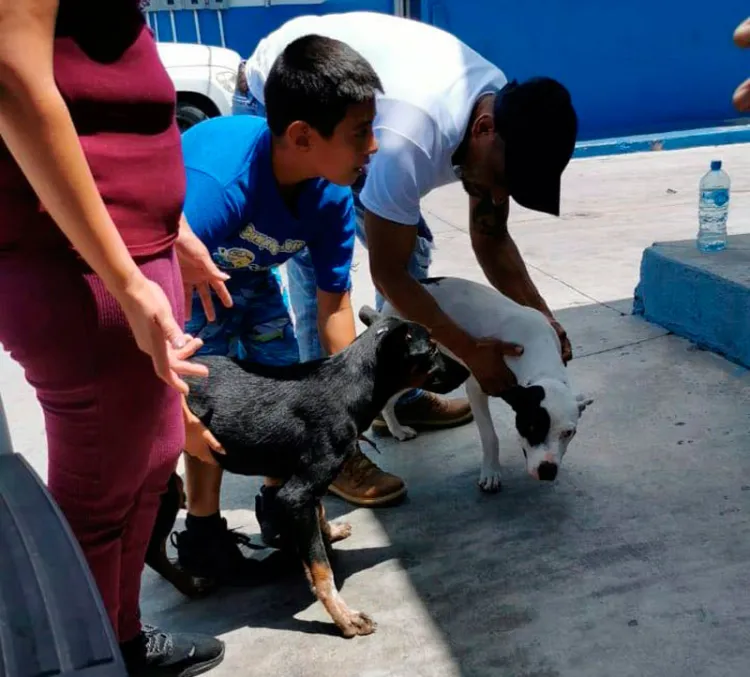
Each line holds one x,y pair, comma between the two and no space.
233,257
263,241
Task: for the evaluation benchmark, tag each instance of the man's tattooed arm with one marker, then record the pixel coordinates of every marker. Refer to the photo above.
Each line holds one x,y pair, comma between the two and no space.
498,255
502,263
487,218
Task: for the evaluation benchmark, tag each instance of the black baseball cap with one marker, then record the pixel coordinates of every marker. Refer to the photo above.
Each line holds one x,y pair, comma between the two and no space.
539,126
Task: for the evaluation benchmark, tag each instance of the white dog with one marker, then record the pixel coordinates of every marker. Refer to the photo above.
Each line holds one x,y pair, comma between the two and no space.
547,410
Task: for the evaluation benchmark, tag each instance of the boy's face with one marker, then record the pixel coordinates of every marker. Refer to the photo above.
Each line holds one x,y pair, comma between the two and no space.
341,158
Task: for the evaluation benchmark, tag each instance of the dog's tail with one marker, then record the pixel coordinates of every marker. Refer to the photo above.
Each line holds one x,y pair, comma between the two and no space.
368,315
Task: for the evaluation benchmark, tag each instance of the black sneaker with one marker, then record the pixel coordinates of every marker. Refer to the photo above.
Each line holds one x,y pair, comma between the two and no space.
267,516
215,553
155,653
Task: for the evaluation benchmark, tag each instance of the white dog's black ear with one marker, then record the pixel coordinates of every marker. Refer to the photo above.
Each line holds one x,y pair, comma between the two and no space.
368,315
520,397
583,402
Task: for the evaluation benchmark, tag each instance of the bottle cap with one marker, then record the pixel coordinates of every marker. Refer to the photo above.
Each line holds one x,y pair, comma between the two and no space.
715,165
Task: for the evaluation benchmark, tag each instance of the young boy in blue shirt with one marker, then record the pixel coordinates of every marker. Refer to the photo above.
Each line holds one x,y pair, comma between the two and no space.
258,191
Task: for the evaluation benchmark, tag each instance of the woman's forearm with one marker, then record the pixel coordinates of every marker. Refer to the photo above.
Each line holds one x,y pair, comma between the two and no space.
37,128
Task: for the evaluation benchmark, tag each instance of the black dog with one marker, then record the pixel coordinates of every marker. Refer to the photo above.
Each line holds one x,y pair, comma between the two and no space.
299,424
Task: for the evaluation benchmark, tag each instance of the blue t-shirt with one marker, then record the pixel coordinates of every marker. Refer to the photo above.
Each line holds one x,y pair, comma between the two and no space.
234,206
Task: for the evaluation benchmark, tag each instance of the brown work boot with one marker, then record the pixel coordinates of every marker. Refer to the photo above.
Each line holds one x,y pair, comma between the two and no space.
362,483
429,411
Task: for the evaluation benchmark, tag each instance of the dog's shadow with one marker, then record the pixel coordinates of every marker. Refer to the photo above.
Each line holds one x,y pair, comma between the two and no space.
428,540
272,603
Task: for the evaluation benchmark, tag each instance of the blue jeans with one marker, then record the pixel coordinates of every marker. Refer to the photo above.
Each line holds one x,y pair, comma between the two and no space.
302,282
303,287
257,328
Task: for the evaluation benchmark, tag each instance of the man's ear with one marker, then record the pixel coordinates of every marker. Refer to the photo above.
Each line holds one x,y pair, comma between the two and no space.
522,397
583,402
368,315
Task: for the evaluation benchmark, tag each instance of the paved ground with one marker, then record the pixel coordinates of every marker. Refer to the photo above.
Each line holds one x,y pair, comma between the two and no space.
635,563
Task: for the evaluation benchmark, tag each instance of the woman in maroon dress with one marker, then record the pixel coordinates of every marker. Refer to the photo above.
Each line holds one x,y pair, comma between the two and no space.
91,297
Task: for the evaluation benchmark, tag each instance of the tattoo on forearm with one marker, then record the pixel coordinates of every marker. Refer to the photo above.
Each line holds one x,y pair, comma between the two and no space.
490,219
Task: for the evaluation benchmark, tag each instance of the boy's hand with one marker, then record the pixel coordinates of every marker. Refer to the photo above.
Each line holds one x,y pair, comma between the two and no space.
199,272
199,442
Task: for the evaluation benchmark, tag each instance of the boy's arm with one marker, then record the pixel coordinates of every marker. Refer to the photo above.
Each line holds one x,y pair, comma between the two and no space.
335,320
332,252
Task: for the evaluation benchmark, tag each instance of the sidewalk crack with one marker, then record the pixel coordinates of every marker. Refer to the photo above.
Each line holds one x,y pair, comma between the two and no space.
624,345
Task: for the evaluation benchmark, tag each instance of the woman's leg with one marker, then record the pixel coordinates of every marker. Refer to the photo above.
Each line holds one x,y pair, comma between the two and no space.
114,431
165,444
113,428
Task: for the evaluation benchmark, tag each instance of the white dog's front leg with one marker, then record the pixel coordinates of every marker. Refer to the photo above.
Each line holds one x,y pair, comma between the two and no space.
489,478
400,432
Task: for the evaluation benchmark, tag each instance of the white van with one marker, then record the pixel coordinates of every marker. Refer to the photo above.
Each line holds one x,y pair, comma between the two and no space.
204,78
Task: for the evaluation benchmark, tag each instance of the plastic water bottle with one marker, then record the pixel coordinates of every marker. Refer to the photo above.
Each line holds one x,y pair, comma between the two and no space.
713,209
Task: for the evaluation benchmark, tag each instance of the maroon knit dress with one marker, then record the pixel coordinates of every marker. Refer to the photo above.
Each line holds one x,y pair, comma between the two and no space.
114,430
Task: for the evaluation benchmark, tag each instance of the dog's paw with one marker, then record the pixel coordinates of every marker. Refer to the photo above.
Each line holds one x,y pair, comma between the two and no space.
404,433
338,532
490,481
359,624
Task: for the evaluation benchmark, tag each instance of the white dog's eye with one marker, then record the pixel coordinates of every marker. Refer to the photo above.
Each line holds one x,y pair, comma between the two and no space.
567,434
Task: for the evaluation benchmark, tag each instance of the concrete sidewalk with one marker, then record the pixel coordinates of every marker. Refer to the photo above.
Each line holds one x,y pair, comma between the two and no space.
634,563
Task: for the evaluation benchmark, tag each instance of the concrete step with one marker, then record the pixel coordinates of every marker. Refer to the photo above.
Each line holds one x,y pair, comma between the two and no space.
704,297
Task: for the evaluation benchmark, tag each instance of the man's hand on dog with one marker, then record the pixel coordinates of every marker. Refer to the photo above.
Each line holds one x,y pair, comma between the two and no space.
566,348
199,442
199,272
487,364
487,361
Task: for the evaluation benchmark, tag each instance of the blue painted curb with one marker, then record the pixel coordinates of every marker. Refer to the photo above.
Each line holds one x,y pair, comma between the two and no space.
694,302
691,138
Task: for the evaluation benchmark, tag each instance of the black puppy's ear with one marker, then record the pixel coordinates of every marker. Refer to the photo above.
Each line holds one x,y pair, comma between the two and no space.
368,315
520,397
448,375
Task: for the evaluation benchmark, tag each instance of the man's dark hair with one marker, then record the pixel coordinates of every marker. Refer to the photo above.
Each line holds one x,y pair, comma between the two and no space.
315,79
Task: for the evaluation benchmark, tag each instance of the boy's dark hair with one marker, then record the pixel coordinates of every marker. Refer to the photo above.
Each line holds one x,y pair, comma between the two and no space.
315,79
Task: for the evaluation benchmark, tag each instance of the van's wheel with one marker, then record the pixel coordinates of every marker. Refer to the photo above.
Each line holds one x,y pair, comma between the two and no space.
188,115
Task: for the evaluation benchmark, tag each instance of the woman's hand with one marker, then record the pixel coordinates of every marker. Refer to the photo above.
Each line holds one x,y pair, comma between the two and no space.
199,442
157,333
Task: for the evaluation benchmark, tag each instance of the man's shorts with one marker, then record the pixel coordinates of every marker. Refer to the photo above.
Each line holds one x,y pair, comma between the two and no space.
257,328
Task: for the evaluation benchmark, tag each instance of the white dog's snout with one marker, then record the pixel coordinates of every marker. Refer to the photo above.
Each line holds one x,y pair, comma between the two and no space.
546,468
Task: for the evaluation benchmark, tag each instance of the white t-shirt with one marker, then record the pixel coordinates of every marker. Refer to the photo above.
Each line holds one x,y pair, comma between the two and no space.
431,81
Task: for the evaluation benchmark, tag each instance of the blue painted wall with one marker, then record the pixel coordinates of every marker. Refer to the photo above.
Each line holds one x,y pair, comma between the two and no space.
245,26
633,66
